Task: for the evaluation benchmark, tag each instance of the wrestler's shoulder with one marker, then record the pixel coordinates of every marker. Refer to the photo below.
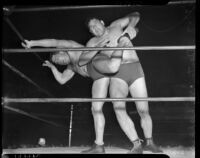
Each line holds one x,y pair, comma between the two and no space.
92,41
75,44
113,26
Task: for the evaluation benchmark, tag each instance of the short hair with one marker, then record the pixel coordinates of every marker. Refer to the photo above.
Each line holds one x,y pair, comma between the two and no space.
55,53
51,55
91,18
88,20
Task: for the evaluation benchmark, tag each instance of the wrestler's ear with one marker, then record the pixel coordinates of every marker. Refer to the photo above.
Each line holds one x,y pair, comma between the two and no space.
102,22
137,30
51,56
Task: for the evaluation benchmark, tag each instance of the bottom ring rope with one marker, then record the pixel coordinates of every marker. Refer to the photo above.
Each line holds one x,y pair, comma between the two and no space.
32,116
65,100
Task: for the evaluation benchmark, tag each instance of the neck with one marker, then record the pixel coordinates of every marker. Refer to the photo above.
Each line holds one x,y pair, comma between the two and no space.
105,32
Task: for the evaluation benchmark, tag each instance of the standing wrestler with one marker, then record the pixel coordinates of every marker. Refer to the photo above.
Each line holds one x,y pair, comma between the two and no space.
129,77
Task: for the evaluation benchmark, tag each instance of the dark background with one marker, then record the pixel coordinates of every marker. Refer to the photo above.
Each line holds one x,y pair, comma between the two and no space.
168,74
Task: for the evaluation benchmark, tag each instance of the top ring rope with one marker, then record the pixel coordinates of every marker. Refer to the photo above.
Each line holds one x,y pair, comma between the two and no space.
65,8
190,47
36,9
181,2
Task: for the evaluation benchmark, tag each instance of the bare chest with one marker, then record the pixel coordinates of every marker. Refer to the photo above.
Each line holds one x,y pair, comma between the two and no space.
113,36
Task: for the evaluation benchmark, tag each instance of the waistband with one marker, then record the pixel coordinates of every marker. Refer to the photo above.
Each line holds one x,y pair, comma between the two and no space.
129,62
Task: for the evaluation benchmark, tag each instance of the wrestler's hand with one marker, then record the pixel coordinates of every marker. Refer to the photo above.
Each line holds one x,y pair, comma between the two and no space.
131,31
102,42
48,64
26,44
124,41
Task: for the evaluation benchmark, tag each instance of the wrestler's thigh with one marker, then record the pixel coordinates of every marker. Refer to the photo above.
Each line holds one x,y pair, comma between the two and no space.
138,89
100,87
118,89
99,90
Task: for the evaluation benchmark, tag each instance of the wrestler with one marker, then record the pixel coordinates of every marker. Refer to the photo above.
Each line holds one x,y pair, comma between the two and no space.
71,58
68,58
129,77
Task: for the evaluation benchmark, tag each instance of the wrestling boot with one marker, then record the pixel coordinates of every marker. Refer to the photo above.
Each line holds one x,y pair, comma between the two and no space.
150,146
95,149
137,147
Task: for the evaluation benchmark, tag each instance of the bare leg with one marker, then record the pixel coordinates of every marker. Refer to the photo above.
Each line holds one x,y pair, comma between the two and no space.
119,89
99,90
138,89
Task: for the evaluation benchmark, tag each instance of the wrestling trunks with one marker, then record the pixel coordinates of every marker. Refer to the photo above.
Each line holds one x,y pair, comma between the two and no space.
128,72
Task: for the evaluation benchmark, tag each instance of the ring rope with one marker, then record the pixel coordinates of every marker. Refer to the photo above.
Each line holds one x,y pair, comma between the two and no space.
14,29
181,2
21,50
65,8
90,7
26,78
31,116
19,35
65,100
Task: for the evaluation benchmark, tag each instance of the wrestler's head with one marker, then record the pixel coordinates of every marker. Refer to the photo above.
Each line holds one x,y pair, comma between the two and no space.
60,58
96,26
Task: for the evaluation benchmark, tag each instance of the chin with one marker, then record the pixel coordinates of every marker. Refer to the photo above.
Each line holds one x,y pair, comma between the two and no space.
63,64
99,35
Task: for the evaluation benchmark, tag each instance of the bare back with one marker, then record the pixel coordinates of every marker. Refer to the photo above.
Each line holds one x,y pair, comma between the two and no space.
74,58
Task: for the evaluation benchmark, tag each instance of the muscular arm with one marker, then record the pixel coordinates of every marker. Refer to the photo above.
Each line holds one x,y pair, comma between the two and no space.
131,19
86,56
64,77
52,43
129,23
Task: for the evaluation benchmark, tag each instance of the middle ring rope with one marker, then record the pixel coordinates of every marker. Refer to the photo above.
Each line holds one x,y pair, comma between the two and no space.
190,47
64,100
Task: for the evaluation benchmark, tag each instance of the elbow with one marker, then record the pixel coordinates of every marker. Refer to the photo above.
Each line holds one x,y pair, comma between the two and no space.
134,18
62,82
135,15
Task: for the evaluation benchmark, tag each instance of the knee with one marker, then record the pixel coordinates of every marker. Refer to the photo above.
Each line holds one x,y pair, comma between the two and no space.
119,109
96,109
143,112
